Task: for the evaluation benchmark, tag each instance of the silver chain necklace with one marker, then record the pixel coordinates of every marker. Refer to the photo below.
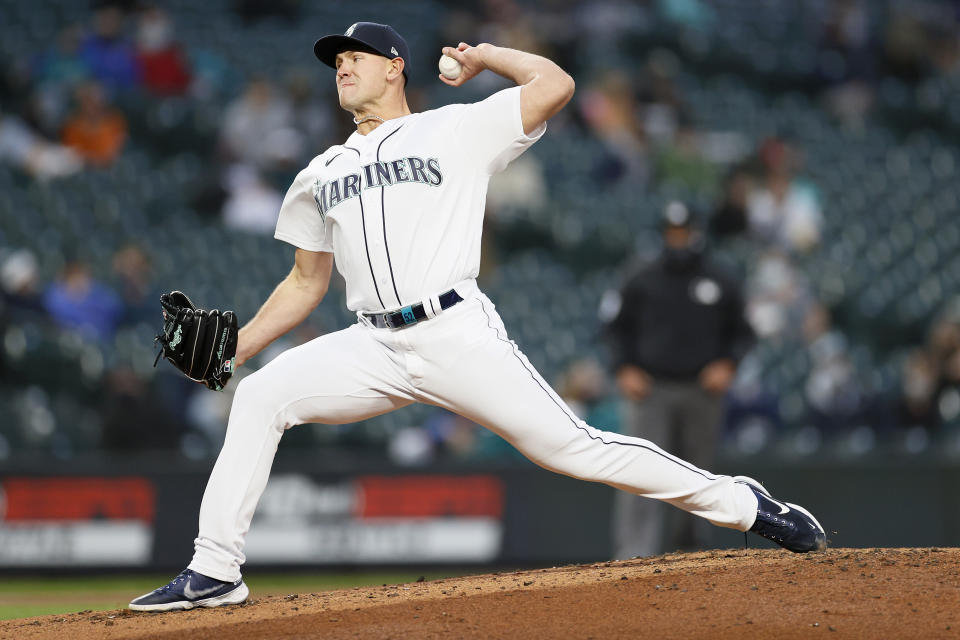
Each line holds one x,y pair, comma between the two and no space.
366,118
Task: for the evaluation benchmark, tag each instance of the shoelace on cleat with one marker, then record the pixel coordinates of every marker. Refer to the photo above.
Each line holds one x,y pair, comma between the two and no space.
182,576
770,521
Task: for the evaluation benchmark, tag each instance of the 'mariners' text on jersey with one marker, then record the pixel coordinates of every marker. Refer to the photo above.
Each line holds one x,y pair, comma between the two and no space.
376,174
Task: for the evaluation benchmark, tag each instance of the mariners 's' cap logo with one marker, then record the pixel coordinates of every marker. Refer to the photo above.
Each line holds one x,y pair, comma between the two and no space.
349,32
393,50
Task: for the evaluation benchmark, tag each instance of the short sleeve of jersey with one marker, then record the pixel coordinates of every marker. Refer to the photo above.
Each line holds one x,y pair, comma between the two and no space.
300,222
492,130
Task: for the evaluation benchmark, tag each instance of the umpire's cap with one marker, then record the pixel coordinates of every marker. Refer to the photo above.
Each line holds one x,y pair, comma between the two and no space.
678,214
381,39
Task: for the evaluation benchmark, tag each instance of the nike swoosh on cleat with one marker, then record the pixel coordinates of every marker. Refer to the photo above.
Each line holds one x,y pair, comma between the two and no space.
783,508
756,486
194,595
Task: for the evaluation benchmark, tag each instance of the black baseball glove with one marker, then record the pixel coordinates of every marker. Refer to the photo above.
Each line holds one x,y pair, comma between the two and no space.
202,344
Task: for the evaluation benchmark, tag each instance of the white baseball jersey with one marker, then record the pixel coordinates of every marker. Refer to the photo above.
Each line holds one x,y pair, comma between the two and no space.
401,208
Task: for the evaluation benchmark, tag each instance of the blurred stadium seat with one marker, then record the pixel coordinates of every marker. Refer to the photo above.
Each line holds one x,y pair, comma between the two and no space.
888,261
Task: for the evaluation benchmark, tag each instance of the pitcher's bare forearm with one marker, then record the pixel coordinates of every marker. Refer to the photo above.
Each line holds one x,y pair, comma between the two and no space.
289,304
546,87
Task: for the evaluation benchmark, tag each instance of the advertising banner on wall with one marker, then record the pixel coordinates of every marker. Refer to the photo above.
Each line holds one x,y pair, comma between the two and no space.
379,519
76,521
147,517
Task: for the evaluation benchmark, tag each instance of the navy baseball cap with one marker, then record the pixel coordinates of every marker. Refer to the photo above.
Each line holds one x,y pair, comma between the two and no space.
381,39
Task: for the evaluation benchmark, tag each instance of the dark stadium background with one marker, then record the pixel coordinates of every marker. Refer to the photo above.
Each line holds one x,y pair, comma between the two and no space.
204,111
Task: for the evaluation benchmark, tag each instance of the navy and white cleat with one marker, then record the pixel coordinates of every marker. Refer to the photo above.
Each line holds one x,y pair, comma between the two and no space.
191,589
789,525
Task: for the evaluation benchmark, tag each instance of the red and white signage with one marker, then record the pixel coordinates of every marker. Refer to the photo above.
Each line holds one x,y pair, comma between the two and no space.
76,521
378,519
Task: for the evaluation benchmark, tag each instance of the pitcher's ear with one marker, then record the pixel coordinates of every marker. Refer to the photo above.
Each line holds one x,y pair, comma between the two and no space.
396,68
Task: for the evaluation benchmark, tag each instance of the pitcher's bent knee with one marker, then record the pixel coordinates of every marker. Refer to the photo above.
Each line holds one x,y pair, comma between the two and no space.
257,403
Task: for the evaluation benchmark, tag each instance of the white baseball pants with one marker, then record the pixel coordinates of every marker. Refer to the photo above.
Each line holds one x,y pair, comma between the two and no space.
461,360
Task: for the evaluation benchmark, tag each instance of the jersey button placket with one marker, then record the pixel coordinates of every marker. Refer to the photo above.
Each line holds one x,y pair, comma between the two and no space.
376,235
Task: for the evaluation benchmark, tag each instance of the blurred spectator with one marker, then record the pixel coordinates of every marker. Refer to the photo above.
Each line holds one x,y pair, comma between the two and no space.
163,65
446,434
107,52
411,447
850,103
252,204
948,391
62,64
206,413
583,386
847,60
847,32
133,418
55,74
752,417
944,338
778,296
20,282
663,109
945,353
521,186
459,437
510,24
783,211
678,336
23,148
76,301
213,76
904,45
258,128
609,109
916,406
454,434
601,24
682,163
461,22
311,117
730,216
834,395
303,333
138,294
95,130
945,48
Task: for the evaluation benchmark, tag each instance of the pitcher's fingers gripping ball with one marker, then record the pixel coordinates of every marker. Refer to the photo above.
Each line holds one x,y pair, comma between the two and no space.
449,67
201,344
459,64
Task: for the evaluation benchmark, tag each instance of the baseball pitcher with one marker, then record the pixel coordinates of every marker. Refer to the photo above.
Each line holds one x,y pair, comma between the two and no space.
398,208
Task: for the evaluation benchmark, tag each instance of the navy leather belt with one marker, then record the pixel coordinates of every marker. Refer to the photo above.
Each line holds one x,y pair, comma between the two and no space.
411,314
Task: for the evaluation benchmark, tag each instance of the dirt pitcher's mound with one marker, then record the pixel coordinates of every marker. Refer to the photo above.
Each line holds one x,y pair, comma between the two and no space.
843,593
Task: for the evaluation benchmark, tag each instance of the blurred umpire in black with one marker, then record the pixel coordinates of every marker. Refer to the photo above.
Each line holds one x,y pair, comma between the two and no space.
677,334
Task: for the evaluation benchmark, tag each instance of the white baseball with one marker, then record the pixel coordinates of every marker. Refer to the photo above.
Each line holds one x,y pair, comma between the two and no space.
449,67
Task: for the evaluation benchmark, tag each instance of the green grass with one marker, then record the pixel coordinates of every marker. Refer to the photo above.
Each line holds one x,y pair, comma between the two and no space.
27,597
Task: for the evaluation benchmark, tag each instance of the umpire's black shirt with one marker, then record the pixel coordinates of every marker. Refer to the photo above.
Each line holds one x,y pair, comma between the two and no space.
678,314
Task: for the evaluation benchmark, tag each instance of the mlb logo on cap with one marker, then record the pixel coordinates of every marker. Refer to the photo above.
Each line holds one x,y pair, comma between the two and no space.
381,39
